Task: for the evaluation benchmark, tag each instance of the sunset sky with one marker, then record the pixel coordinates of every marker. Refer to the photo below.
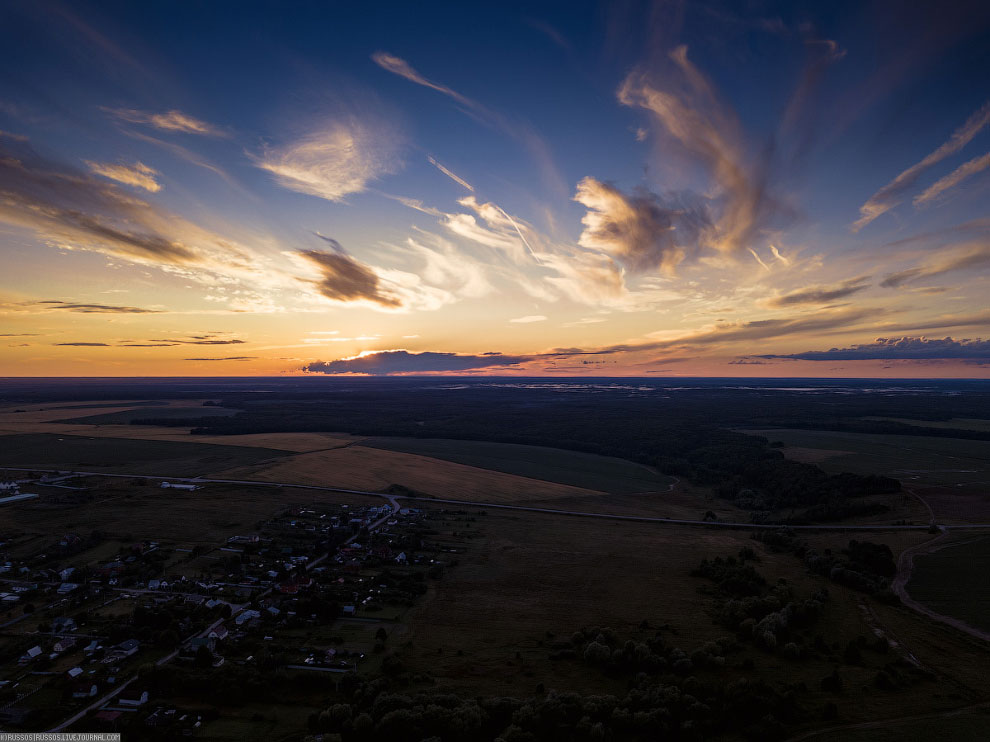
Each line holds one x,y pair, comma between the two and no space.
231,188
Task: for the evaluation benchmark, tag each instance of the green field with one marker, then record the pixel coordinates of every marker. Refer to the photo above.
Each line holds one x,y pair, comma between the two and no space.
104,405
549,464
125,455
930,460
953,581
125,417
955,423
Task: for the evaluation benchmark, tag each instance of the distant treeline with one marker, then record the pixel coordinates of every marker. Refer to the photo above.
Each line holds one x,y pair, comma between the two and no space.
687,440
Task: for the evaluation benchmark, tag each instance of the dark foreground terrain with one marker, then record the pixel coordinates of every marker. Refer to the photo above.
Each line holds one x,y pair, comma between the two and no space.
471,559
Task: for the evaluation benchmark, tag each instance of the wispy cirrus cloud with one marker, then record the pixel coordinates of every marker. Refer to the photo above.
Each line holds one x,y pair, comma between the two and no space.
69,209
138,175
518,130
398,66
892,194
941,322
727,333
972,255
907,348
337,159
225,358
686,107
821,294
81,344
953,179
172,121
447,267
528,319
76,211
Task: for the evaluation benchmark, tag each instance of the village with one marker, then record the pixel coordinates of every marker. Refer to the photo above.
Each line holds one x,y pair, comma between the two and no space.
319,587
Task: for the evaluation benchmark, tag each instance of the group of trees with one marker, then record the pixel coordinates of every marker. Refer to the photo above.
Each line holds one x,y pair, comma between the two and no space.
689,709
743,601
862,565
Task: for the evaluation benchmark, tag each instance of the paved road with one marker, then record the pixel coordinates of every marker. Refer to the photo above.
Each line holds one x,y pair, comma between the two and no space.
393,499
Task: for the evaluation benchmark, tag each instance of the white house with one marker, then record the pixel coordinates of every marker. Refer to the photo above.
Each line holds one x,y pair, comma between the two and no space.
129,698
85,690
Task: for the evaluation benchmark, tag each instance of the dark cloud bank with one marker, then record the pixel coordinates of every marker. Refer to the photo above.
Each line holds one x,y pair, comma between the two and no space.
402,361
907,348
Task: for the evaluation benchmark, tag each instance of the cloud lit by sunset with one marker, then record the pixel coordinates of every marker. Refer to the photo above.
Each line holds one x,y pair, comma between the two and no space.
689,189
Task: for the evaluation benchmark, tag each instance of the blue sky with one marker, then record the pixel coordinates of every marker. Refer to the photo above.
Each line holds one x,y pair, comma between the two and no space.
659,188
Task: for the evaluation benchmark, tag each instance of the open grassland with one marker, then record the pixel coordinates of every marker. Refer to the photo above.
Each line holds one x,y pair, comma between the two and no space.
951,474
144,511
953,580
55,413
125,456
126,417
864,453
956,423
531,574
487,627
585,470
373,469
102,405
685,502
38,419
261,722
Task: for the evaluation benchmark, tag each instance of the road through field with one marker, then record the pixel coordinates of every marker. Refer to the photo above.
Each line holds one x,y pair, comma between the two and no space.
521,508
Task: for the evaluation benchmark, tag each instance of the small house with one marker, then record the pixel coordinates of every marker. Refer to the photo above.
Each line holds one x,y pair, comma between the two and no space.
133,698
85,690
127,648
29,655
63,624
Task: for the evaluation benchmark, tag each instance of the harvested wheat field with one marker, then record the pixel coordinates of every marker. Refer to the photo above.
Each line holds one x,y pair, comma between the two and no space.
371,469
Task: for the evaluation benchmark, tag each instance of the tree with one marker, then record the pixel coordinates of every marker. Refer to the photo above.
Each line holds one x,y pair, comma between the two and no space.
204,657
